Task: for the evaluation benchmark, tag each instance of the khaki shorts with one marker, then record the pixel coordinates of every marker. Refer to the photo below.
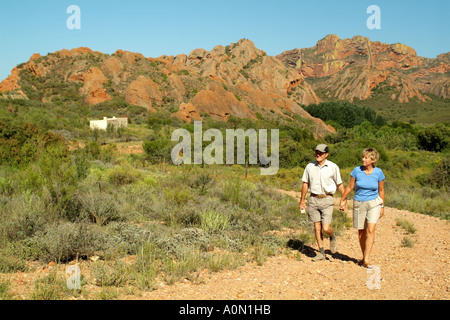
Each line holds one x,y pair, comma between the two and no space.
366,211
320,209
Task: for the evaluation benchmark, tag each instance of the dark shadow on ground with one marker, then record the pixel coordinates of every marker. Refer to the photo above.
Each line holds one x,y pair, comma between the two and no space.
296,244
308,251
341,256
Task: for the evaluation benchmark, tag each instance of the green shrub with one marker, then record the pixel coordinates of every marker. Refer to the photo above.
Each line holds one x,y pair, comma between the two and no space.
54,178
120,177
50,287
11,264
157,147
435,137
203,182
345,113
111,273
193,238
23,143
127,236
407,242
178,196
213,221
405,224
22,217
5,291
182,217
439,177
101,207
64,242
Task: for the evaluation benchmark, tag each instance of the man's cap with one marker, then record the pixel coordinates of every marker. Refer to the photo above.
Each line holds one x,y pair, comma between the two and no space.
322,148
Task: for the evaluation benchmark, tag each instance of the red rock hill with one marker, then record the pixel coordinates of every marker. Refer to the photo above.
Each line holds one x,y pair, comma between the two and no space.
348,69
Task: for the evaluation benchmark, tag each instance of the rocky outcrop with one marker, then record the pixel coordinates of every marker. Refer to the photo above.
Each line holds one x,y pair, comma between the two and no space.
188,112
37,69
129,57
93,87
12,82
243,63
220,103
143,92
178,88
351,68
113,67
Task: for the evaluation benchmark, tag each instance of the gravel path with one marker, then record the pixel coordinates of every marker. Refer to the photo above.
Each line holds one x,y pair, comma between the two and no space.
417,272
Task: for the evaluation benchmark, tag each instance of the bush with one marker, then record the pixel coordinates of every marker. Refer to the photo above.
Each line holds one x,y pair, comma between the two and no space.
22,217
10,264
212,221
110,274
405,224
54,178
203,182
157,147
23,143
126,237
407,242
64,242
50,287
344,113
123,175
440,175
434,138
178,195
101,208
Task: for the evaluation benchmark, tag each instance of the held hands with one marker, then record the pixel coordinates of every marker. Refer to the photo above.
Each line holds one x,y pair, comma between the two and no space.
343,204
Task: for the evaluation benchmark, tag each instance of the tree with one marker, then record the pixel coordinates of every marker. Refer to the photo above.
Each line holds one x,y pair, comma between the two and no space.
22,143
434,138
344,113
157,147
440,175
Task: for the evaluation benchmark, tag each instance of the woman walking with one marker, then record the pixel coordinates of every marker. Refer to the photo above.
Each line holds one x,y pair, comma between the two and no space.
368,203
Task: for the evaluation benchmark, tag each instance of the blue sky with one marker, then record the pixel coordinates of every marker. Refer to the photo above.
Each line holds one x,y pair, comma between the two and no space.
154,28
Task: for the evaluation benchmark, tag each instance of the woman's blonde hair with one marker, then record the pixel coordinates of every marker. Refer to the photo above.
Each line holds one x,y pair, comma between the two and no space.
373,154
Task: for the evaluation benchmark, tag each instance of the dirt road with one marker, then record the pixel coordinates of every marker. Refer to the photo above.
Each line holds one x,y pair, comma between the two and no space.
417,272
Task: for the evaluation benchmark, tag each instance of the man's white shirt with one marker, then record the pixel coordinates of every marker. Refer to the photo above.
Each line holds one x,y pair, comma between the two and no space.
322,179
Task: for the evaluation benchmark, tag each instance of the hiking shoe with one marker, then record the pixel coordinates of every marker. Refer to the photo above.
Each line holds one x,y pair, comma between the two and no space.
333,246
318,257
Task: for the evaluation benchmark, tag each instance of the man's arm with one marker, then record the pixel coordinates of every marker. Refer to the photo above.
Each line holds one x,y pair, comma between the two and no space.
343,201
344,195
341,189
305,188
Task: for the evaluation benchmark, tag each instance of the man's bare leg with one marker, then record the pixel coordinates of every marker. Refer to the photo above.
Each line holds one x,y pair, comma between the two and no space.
330,232
319,239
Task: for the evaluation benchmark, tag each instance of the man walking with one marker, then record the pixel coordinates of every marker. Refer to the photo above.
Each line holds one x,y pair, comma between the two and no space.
321,178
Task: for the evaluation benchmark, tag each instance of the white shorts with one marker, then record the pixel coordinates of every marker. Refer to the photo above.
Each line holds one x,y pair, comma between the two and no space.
366,211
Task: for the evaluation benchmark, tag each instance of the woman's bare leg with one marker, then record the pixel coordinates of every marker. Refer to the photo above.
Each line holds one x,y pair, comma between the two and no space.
369,241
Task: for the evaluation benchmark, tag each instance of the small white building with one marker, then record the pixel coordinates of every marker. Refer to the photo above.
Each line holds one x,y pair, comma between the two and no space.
114,122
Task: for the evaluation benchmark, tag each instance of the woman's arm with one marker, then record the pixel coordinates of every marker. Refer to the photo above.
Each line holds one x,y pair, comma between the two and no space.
381,193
